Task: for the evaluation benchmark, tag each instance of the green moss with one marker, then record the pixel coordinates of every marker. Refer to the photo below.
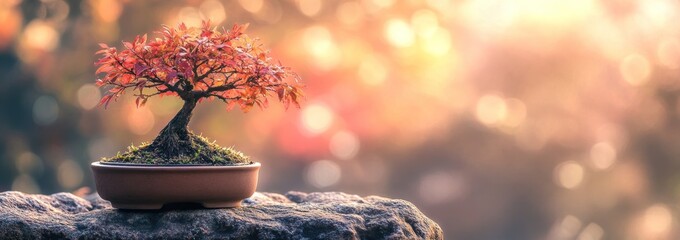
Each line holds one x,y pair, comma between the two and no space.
203,152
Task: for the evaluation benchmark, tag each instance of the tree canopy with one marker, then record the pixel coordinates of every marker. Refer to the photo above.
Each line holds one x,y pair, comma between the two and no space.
196,64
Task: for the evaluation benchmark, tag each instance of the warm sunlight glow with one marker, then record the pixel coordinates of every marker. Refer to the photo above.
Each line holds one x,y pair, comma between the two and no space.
479,108
438,43
11,24
657,220
107,10
316,118
635,69
668,53
372,71
140,120
252,6
350,13
425,23
658,12
491,109
39,37
399,33
190,16
213,10
321,47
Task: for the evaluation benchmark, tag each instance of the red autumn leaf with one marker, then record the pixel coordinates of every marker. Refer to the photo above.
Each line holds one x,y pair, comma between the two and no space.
281,92
170,76
103,68
105,100
201,62
139,69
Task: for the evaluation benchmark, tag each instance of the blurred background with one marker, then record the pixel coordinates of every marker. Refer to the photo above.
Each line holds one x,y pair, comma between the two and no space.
526,119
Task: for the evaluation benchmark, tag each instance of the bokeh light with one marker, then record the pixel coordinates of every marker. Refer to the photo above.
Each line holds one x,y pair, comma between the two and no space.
323,173
253,6
69,174
491,109
28,162
399,33
38,38
213,10
190,16
310,7
344,145
316,118
45,110
88,96
569,174
592,231
39,35
635,69
440,187
603,155
656,222
25,183
107,10
567,228
320,45
11,19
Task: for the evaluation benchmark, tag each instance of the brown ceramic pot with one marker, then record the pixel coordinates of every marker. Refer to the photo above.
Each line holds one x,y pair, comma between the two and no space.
150,187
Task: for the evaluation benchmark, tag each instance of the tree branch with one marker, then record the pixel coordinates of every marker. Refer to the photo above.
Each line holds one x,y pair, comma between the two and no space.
224,99
153,94
212,70
156,79
221,88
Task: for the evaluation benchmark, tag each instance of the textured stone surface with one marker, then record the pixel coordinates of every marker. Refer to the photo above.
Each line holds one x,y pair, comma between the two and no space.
295,215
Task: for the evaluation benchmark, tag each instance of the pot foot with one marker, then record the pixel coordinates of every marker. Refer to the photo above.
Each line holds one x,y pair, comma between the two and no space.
138,206
232,204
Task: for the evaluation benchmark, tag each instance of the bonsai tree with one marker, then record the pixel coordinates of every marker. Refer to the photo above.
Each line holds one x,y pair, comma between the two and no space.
194,64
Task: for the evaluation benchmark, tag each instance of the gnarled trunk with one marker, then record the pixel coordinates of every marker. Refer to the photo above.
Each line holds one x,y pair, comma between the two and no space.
174,139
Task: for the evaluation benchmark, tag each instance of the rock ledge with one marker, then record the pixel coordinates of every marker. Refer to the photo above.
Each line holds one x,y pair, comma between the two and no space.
294,215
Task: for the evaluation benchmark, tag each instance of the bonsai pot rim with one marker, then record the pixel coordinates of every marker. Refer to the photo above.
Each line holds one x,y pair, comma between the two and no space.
163,166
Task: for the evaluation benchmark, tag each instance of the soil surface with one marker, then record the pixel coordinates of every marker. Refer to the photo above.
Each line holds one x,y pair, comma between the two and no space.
200,152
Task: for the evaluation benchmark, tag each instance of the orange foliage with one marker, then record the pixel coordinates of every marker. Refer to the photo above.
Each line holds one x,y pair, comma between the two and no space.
195,64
